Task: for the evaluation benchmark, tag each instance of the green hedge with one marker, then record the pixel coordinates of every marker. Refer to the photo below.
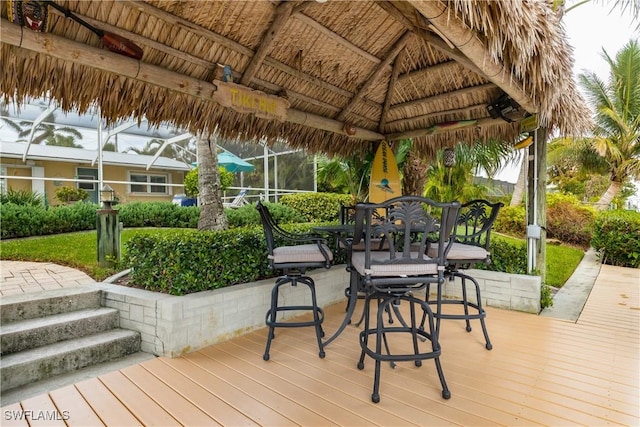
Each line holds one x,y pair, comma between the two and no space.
616,236
26,220
317,207
30,220
189,261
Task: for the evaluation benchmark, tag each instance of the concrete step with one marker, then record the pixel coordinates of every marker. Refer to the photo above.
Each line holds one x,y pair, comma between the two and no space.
45,386
46,303
26,334
54,359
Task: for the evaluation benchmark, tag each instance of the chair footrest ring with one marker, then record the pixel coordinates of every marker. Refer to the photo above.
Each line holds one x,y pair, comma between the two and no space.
398,357
296,324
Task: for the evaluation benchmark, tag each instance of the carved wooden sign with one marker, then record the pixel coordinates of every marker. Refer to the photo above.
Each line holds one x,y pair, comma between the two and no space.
245,100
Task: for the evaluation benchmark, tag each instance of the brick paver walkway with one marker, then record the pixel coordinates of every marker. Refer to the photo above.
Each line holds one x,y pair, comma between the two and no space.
19,277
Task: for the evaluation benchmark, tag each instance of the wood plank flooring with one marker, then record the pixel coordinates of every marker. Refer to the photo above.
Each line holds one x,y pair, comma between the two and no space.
541,371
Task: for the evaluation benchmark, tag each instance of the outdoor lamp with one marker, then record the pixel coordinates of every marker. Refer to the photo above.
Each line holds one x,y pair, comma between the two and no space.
107,196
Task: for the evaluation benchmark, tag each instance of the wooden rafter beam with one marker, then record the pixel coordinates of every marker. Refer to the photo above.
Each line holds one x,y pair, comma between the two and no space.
444,96
430,38
283,13
443,66
469,44
93,57
417,133
395,72
229,44
373,78
336,37
464,111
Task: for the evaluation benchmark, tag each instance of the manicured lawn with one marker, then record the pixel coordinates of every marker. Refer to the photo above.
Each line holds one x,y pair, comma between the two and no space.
79,250
562,260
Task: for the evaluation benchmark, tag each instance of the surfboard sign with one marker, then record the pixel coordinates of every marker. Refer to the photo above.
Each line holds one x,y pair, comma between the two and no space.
385,177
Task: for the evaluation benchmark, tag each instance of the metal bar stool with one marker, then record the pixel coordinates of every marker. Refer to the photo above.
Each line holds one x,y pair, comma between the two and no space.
391,277
471,246
300,252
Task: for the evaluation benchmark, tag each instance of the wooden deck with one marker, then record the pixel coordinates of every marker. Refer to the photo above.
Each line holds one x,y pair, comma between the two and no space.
541,371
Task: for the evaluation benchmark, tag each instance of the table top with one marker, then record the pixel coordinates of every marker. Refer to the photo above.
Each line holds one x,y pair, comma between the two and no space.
335,228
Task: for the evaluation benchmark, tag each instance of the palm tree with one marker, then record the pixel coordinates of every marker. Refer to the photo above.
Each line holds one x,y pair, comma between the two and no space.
346,175
617,116
4,114
456,182
46,132
212,215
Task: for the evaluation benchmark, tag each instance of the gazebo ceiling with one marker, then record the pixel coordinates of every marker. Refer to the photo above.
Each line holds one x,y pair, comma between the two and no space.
327,76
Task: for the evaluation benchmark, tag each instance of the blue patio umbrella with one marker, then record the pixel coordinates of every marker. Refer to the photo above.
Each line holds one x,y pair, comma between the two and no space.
233,163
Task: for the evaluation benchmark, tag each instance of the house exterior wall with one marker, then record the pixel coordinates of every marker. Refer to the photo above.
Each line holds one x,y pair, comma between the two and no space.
65,171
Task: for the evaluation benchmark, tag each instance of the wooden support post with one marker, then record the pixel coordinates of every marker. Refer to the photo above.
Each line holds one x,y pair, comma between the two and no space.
537,205
108,230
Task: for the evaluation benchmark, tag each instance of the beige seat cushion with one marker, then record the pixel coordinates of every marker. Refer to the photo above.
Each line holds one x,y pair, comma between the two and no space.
397,269
460,251
300,253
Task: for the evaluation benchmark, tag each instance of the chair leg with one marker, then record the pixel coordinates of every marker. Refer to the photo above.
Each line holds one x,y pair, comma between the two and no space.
271,316
317,312
381,329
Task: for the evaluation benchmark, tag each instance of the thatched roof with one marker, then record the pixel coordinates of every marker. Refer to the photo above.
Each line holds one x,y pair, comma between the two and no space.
342,73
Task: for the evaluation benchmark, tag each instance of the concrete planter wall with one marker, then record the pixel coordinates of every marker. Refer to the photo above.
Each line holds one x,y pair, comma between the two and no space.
171,326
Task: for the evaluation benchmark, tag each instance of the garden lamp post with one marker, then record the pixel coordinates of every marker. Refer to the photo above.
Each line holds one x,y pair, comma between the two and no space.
108,229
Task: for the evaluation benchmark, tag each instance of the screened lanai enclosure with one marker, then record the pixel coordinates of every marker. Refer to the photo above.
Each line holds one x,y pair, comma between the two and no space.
334,77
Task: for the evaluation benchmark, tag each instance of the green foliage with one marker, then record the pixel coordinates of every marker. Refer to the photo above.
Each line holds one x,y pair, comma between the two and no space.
191,181
512,221
507,256
546,298
186,261
248,215
77,250
568,220
456,182
71,194
317,207
22,197
561,263
158,214
29,220
616,236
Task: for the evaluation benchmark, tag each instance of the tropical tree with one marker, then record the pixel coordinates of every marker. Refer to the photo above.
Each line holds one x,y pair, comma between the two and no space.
46,132
617,117
446,183
4,113
346,175
63,141
180,150
212,216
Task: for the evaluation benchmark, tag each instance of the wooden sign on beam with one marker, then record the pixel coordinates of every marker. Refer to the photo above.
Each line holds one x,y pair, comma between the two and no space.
249,101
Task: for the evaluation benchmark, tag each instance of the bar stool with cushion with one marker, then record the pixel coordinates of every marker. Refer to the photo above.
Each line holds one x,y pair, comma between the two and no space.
471,246
392,277
293,254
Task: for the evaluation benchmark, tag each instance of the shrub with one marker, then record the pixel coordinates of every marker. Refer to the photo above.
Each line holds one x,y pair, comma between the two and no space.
506,257
25,221
317,207
188,261
71,194
22,198
512,221
191,181
616,236
569,221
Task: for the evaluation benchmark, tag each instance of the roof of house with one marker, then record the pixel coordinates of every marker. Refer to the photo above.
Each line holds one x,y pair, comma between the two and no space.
328,76
15,150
